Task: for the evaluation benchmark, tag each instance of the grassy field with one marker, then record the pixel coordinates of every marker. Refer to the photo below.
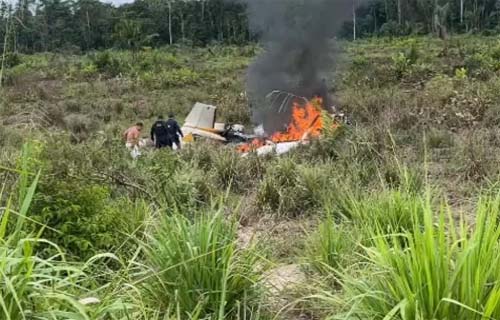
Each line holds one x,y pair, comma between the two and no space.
392,217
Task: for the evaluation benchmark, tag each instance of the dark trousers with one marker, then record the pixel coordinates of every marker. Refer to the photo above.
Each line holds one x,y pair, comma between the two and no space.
168,142
163,143
175,141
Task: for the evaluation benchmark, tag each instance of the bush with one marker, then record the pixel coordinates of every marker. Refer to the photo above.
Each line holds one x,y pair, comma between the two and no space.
441,273
401,64
105,63
289,189
174,184
80,126
179,77
28,281
78,218
226,167
11,60
198,269
480,65
169,78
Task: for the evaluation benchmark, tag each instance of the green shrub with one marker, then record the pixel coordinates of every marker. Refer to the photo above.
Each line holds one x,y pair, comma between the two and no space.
173,185
89,70
26,280
11,60
156,59
15,75
106,63
359,63
412,53
225,167
198,269
289,189
79,218
495,51
401,64
179,77
169,78
443,272
480,65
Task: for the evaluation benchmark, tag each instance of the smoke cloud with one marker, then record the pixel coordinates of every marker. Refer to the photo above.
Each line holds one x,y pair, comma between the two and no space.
296,36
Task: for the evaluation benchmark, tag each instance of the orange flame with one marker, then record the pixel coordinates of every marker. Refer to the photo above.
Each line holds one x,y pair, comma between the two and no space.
306,123
255,144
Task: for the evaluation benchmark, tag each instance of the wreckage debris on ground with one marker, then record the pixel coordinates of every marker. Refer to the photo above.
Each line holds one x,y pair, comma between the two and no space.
306,123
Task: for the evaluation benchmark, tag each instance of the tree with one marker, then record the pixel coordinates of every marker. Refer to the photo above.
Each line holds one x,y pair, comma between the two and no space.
128,34
94,24
7,19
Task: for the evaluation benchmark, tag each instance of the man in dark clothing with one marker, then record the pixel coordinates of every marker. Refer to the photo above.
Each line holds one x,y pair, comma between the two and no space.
159,134
174,131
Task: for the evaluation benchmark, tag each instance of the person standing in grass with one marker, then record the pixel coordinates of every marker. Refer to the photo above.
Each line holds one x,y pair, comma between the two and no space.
174,131
159,134
132,138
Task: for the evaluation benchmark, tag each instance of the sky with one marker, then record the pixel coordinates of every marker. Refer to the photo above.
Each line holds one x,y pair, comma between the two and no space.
115,2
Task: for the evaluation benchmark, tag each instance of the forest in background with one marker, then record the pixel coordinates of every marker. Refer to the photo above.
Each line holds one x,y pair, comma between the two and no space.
29,26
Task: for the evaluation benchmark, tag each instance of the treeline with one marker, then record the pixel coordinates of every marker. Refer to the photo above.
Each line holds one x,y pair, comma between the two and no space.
404,17
81,25
48,25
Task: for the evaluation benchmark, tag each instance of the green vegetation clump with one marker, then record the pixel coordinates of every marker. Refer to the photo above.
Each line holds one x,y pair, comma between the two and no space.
199,270
290,189
82,221
442,272
328,248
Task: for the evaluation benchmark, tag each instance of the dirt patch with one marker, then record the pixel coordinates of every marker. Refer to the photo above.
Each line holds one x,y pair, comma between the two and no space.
284,277
281,283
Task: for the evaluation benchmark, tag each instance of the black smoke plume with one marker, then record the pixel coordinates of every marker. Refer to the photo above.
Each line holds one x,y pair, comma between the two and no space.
296,36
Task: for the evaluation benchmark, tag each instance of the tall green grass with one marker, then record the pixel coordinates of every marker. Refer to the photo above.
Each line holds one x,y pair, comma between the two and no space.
441,271
328,247
198,270
290,189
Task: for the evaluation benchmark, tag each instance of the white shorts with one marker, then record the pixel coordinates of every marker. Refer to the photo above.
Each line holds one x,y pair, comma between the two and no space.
129,145
134,149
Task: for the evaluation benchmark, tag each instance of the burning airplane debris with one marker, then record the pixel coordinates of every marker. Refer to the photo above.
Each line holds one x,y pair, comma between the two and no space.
287,84
306,122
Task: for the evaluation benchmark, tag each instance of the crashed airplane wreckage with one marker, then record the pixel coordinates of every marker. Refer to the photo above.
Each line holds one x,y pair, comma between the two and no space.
200,123
306,123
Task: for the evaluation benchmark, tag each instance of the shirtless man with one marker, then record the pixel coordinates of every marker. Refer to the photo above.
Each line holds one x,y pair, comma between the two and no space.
132,137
